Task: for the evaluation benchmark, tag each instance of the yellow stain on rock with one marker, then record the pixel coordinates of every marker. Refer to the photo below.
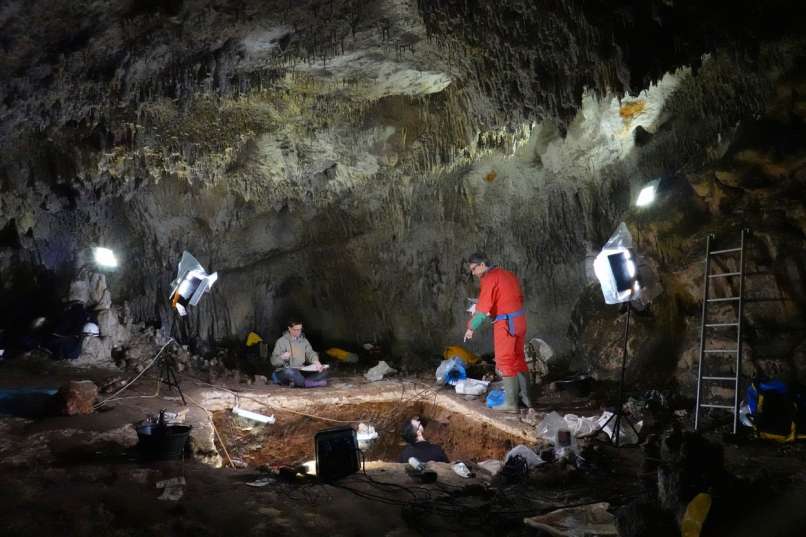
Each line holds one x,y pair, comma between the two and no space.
629,111
490,177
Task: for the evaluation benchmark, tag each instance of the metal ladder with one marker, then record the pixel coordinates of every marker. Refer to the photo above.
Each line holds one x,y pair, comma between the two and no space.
705,326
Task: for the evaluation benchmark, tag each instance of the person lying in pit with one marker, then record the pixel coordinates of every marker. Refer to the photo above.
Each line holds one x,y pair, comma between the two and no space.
296,362
418,447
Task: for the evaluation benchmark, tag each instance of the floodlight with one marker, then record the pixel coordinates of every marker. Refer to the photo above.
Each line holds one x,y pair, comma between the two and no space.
191,282
104,257
616,269
647,195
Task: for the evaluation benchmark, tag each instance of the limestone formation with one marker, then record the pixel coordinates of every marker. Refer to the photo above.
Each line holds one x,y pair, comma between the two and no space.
337,161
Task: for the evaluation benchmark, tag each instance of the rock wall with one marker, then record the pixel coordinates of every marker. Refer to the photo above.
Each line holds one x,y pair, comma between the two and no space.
754,182
338,160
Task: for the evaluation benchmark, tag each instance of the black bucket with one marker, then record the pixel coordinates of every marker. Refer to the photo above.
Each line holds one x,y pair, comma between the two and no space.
162,442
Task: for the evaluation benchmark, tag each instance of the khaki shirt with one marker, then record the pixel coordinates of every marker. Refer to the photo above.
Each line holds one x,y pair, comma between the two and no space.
301,351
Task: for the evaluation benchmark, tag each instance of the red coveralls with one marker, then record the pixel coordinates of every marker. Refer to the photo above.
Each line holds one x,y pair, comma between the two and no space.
501,294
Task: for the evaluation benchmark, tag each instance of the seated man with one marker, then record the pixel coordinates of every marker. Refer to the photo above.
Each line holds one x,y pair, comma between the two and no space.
418,447
293,352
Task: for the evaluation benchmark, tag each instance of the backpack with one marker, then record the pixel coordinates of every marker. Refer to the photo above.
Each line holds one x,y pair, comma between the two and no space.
778,409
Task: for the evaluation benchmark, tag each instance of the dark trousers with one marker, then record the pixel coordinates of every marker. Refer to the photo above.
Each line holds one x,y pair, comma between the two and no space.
296,378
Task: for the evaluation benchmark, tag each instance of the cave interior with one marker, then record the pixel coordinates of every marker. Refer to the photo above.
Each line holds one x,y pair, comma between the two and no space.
337,164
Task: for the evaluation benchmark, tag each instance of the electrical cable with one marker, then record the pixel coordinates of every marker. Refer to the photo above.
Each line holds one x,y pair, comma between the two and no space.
132,381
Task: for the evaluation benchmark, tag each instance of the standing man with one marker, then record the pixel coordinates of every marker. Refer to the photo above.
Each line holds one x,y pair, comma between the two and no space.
501,301
292,352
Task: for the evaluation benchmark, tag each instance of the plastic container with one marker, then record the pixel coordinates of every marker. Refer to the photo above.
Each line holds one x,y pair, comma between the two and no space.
451,371
162,442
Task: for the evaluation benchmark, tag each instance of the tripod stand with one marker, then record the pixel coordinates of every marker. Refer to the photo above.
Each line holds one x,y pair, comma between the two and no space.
167,374
618,415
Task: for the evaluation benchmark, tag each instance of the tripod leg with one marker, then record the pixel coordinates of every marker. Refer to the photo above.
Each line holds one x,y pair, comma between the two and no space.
175,382
617,430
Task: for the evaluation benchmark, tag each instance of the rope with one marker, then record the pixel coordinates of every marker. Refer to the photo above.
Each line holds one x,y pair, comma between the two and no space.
215,429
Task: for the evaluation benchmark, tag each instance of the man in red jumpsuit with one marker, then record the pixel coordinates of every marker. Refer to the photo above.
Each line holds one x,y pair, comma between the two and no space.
501,301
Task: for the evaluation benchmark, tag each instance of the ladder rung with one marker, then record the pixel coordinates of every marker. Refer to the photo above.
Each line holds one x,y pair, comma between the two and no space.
723,274
719,378
723,299
720,350
729,407
717,325
728,251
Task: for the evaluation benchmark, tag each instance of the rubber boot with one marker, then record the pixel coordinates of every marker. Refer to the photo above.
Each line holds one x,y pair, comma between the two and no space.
525,389
510,395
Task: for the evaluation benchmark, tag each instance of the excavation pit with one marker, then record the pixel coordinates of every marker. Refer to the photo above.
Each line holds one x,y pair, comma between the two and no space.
465,433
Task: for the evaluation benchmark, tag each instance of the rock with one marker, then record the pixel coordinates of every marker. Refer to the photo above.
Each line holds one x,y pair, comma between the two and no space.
112,384
76,397
538,354
109,325
690,465
79,291
99,296
95,351
202,439
261,379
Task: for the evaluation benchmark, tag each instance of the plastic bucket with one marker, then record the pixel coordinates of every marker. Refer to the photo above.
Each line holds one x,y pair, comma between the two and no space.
162,442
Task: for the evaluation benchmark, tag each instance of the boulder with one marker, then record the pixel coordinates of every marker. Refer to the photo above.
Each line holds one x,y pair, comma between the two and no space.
100,298
79,291
76,397
95,351
110,326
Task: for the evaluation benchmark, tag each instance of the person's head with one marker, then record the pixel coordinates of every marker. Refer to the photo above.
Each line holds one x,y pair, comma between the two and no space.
294,327
478,264
413,430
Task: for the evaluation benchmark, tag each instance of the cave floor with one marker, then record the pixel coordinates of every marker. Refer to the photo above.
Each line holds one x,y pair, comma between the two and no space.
80,475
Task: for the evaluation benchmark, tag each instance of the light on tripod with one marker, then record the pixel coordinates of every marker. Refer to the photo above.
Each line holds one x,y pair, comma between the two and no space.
617,272
647,195
618,275
191,282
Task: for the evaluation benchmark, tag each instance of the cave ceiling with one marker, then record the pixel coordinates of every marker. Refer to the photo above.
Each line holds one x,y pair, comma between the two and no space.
277,138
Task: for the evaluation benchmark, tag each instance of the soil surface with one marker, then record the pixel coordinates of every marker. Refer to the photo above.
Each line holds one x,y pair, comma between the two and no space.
290,440
82,476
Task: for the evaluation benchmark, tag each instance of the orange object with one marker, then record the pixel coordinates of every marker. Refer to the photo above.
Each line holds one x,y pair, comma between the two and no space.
460,352
501,294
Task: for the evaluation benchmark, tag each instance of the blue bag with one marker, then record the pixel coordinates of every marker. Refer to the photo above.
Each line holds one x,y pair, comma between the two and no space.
495,398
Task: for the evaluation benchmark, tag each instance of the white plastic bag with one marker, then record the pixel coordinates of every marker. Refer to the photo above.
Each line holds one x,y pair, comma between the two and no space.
547,429
471,386
379,371
531,458
580,426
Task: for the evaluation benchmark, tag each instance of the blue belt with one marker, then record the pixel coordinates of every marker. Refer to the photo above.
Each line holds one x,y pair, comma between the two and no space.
509,318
